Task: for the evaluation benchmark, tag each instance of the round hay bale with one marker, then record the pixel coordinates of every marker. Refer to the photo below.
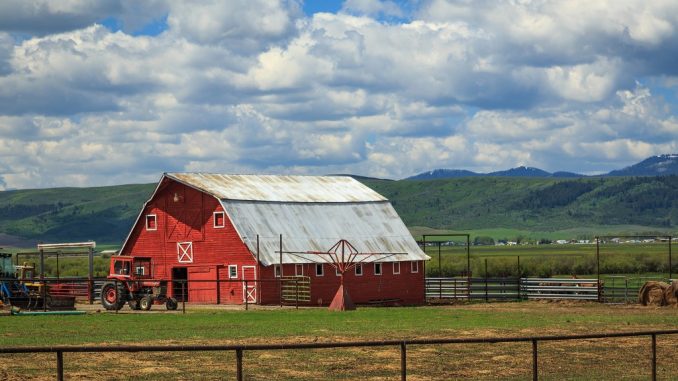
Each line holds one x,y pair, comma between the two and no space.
652,293
671,294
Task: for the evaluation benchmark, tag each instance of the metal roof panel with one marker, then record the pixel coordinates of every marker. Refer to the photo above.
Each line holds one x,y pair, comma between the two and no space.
369,226
279,188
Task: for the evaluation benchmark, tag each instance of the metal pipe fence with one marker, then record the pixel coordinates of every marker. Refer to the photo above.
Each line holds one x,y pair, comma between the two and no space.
610,289
43,290
403,345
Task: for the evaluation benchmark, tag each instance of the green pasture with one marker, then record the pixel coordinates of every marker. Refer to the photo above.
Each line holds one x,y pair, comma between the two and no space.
642,259
583,360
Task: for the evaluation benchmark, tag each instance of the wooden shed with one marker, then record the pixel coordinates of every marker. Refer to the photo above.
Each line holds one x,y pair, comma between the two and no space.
205,227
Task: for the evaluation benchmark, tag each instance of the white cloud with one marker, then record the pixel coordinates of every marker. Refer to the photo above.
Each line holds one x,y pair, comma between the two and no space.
254,86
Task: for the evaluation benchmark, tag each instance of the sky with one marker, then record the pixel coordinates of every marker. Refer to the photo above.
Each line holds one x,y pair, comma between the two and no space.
103,92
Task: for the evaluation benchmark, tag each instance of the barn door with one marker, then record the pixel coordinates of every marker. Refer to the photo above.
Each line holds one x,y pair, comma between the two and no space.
249,288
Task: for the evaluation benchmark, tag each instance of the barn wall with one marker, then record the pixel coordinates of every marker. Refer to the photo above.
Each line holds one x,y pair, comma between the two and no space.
407,287
185,215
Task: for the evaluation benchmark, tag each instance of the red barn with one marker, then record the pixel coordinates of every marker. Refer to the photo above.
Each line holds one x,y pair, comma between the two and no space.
209,227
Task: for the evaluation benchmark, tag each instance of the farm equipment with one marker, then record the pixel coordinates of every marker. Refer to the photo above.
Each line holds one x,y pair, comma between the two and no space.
19,288
130,282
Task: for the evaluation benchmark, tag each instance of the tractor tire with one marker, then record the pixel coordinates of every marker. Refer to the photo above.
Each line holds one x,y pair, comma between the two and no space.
146,303
134,304
171,304
112,297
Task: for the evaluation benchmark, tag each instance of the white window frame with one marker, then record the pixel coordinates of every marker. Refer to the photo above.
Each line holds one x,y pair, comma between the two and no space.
414,267
359,266
297,267
155,220
223,220
381,268
321,267
230,275
336,271
277,271
185,252
396,264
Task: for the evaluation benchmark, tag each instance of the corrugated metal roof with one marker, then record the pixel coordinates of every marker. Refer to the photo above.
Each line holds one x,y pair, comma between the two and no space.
279,188
369,226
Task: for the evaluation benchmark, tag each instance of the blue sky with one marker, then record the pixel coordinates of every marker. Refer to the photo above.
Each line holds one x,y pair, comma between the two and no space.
99,93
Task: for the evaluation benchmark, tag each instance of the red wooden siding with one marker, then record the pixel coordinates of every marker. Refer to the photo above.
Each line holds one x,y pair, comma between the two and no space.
406,287
190,219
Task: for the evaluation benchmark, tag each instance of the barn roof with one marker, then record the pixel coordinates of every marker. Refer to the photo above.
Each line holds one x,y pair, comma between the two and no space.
372,227
279,188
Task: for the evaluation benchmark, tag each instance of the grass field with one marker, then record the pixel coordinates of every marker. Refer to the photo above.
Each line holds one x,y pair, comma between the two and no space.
606,359
551,260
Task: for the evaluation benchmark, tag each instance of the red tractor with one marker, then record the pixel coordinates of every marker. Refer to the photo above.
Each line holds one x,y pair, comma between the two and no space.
132,283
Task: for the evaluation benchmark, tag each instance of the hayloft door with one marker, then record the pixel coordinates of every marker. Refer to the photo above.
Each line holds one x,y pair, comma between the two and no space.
249,284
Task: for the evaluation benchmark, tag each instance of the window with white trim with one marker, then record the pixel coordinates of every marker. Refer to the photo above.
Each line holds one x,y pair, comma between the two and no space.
185,252
396,267
298,269
319,269
336,271
232,271
219,219
276,270
414,266
359,269
377,268
151,222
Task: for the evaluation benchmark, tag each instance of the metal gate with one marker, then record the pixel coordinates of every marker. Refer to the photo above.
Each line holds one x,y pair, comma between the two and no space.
296,289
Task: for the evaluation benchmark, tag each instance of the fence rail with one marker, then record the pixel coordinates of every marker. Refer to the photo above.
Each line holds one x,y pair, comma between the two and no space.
464,288
402,344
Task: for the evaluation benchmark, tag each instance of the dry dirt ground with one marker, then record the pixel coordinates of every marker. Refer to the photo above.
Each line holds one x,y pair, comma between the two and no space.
610,359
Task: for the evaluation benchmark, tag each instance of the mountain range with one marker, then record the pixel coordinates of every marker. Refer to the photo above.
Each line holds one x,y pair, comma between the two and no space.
659,165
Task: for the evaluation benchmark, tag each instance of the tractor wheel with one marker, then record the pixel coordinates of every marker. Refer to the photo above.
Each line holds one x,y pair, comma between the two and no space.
146,302
112,297
171,304
134,304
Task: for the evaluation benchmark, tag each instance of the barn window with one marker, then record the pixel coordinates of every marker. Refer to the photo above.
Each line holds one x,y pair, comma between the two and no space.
232,271
151,222
396,267
185,252
359,269
377,268
219,219
276,269
298,270
336,271
414,266
319,269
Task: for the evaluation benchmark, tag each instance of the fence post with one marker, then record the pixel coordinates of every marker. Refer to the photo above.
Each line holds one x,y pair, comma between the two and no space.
535,376
486,299
60,365
403,361
183,296
654,357
238,364
247,297
117,294
296,289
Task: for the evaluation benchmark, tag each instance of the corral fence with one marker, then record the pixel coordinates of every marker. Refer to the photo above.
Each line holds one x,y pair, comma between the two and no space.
403,345
612,289
38,293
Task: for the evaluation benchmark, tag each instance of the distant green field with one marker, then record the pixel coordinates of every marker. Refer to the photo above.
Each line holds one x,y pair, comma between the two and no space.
553,259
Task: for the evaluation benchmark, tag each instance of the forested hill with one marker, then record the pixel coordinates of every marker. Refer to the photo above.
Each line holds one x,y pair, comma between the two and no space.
105,214
534,204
